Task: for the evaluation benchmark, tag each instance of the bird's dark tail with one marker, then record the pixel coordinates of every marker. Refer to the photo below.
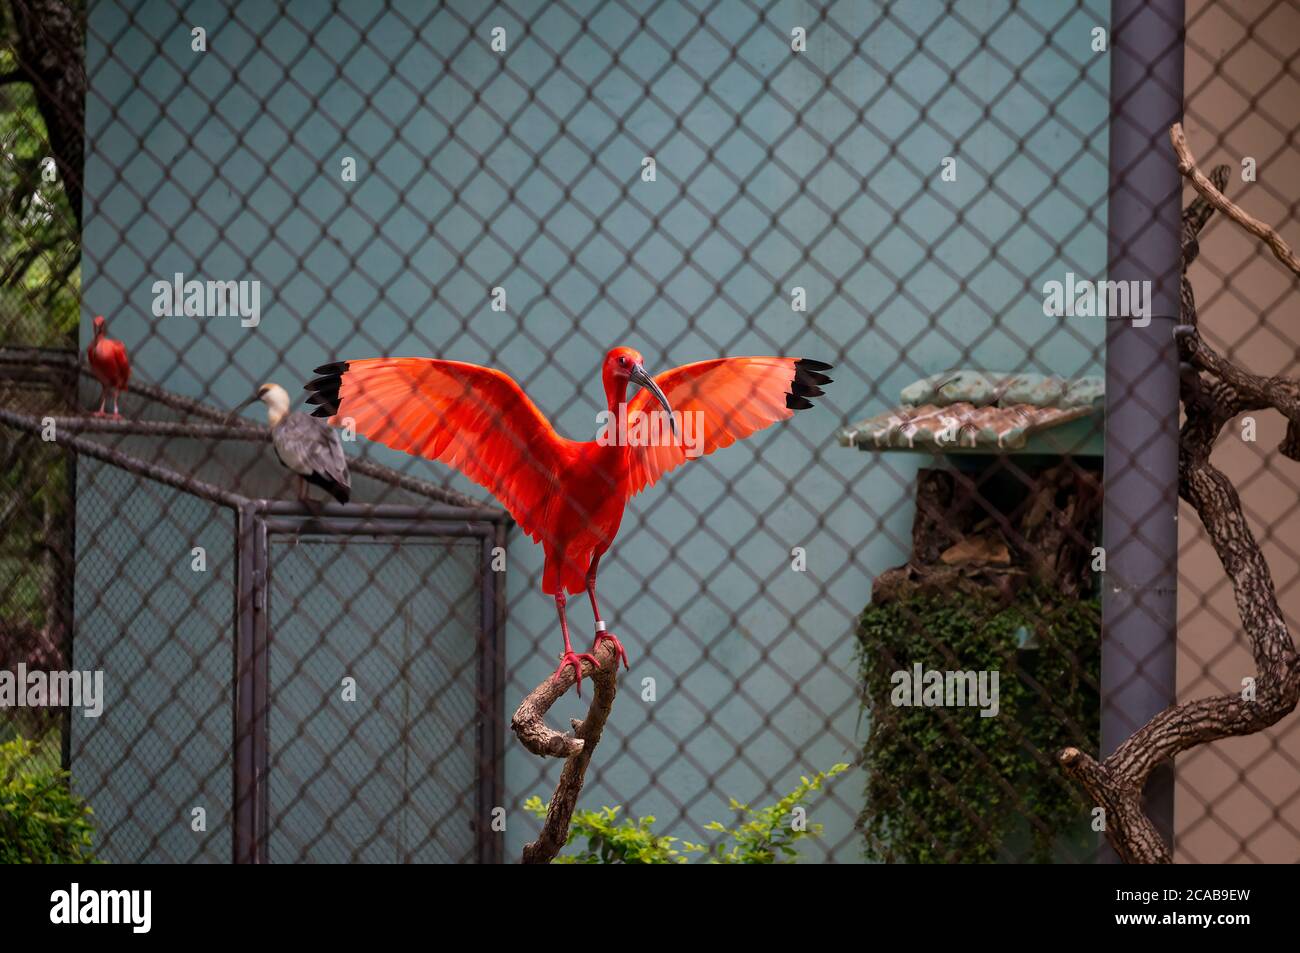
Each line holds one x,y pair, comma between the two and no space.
336,490
808,378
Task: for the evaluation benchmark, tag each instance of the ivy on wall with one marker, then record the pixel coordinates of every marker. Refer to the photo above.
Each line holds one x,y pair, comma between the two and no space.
947,785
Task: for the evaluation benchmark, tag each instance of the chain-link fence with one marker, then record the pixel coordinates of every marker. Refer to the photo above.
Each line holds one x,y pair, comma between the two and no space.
1237,801
258,588
971,212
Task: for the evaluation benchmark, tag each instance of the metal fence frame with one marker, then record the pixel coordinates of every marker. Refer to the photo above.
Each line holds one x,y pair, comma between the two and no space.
257,520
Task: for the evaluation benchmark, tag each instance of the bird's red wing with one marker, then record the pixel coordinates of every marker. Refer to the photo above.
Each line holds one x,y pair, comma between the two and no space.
728,399
473,418
107,358
121,365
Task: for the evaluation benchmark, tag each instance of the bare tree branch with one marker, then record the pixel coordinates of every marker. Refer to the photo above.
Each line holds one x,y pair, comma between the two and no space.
17,269
1209,402
1202,184
577,749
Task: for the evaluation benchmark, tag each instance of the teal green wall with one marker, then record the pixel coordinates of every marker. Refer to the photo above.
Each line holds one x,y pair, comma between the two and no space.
226,164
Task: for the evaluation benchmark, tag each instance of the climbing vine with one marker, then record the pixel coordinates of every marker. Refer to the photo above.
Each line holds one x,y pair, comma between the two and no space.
947,785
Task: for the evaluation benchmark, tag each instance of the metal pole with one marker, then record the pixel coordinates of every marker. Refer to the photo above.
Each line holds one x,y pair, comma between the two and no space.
261,729
398,511
243,770
491,726
248,775
110,455
1140,530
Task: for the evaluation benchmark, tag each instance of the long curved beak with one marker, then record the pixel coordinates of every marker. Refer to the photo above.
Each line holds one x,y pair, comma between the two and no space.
640,377
235,413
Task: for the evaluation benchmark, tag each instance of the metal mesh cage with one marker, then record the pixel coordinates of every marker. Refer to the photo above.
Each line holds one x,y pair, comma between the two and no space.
246,603
251,192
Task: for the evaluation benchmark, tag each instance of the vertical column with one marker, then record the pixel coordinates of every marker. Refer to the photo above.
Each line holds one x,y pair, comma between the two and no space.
1140,530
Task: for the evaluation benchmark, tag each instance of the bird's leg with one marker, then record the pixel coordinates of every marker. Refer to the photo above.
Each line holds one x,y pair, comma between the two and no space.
301,485
103,396
569,658
116,415
601,634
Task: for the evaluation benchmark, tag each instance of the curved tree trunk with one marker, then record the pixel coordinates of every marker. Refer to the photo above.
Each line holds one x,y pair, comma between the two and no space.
51,49
1213,392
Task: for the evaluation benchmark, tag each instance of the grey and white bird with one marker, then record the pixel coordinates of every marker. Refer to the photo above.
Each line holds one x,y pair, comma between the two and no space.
308,447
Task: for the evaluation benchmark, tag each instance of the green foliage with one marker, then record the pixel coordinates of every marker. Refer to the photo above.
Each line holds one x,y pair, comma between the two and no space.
610,840
40,244
39,306
41,820
944,784
35,473
760,835
764,835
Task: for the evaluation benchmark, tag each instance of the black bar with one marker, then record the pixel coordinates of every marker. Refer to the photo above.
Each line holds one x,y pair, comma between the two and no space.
401,511
305,526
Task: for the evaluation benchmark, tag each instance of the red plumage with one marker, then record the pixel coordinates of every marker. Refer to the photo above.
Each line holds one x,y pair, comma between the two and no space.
108,362
565,494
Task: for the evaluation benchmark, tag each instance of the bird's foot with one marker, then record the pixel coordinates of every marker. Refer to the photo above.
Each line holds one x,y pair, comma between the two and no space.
576,660
97,413
603,636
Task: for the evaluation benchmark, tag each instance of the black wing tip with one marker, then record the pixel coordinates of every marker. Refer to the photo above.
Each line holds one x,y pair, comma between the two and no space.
807,383
325,388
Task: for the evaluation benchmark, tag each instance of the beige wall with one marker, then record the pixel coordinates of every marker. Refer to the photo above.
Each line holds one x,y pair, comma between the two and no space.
1239,800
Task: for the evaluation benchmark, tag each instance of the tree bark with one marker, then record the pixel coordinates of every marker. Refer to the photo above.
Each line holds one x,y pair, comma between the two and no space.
51,49
1213,392
577,748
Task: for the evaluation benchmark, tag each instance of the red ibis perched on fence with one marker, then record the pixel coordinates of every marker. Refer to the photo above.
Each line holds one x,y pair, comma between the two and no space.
567,495
108,362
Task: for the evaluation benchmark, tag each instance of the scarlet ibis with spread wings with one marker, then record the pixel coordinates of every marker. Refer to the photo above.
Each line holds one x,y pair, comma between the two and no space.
568,495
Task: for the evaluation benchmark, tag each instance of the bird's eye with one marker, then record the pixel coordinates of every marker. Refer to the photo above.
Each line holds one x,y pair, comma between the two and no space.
623,361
